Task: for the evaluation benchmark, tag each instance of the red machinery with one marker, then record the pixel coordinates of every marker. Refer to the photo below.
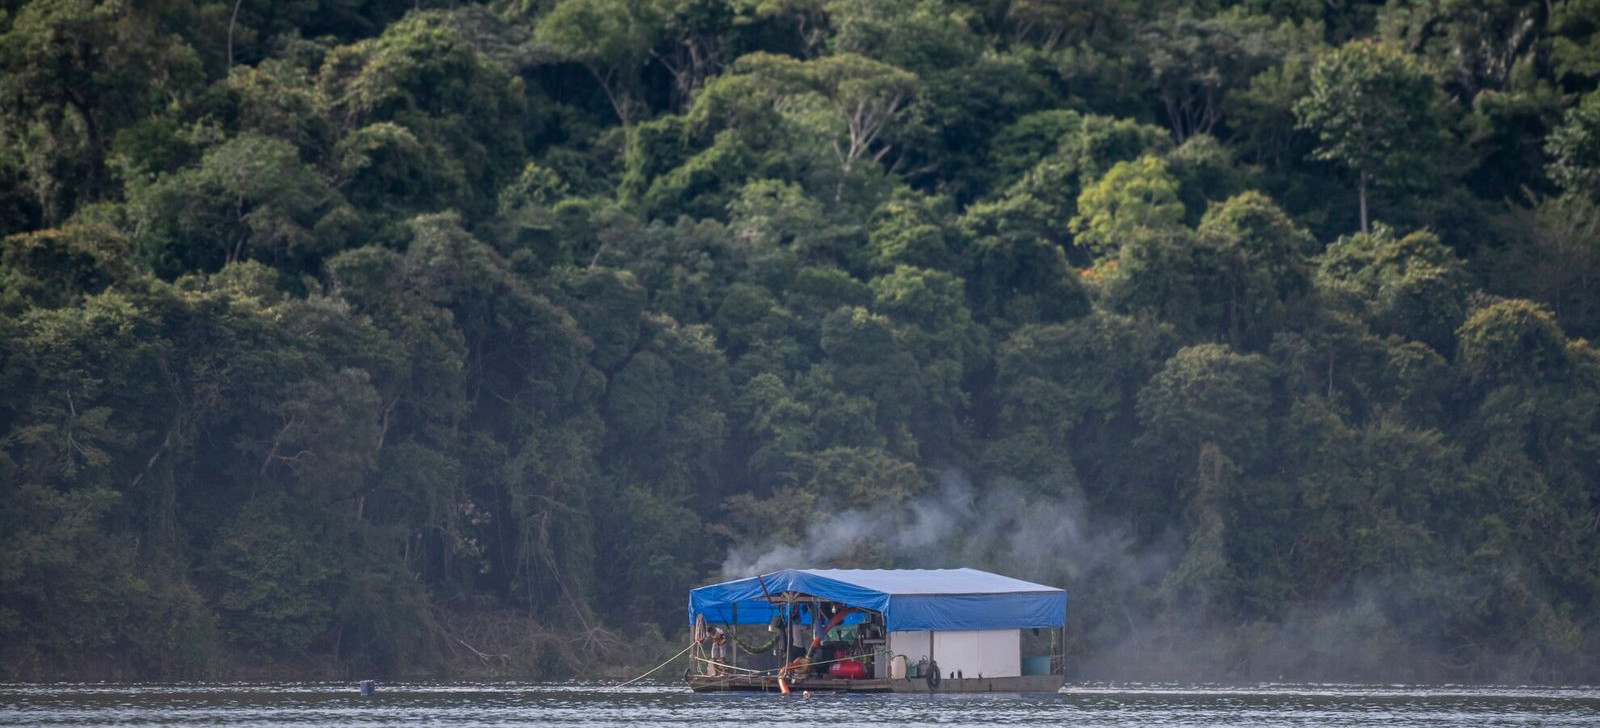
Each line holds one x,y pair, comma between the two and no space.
849,670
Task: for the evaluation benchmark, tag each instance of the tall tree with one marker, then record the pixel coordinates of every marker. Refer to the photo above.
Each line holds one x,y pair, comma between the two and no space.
1374,109
863,98
1197,62
613,39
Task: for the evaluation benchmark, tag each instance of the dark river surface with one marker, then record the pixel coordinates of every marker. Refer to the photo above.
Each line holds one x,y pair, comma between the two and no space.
597,704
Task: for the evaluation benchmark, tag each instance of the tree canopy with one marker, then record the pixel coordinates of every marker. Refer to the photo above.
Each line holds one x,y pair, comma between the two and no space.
463,337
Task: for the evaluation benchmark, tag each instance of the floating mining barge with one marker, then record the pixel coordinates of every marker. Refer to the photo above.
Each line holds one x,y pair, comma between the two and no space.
878,631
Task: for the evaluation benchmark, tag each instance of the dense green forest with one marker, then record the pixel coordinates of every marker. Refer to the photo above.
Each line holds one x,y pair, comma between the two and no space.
434,337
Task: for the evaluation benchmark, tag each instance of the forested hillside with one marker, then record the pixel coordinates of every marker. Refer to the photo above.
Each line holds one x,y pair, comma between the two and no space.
438,337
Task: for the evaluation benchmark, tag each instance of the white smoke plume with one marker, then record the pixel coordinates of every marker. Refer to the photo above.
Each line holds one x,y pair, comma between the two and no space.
1006,528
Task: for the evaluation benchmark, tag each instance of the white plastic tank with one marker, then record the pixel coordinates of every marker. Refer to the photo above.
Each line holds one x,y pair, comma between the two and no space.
897,667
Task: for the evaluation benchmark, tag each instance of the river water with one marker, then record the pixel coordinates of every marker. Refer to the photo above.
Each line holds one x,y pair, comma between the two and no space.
593,704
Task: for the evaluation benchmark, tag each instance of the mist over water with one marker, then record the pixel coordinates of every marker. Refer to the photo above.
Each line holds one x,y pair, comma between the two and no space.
590,704
1129,615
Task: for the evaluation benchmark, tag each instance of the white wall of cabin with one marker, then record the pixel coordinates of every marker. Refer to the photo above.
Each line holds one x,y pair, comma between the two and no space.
988,652
914,645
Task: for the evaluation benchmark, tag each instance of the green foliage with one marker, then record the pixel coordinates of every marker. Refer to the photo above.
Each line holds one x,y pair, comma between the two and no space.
1066,395
60,266
1053,23
1132,196
1511,341
1023,144
611,38
1574,149
73,73
1412,285
278,98
911,230
364,337
1374,110
249,198
1194,61
1081,156
1551,260
773,215
1575,41
1018,274
1207,173
1259,264
1208,395
861,98
272,583
462,110
851,477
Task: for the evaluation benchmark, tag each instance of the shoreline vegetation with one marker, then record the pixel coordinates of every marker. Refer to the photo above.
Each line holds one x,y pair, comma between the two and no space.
482,647
353,338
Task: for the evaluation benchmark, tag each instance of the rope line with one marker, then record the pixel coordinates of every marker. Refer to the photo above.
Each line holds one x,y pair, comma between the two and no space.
658,667
774,671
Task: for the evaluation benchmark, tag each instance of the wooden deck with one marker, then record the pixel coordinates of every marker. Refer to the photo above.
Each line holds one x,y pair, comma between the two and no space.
769,684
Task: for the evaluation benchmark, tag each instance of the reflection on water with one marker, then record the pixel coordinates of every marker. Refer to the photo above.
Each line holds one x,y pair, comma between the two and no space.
594,704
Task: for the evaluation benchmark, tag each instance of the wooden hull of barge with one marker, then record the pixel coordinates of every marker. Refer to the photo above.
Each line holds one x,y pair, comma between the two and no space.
769,684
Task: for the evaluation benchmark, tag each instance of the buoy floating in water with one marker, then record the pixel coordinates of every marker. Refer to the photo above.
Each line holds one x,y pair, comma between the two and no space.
368,687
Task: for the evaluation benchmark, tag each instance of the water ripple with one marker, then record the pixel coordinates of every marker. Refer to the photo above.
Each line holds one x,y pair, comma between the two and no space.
302,705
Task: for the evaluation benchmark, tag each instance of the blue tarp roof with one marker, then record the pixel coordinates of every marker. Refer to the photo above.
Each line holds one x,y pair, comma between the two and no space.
909,599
